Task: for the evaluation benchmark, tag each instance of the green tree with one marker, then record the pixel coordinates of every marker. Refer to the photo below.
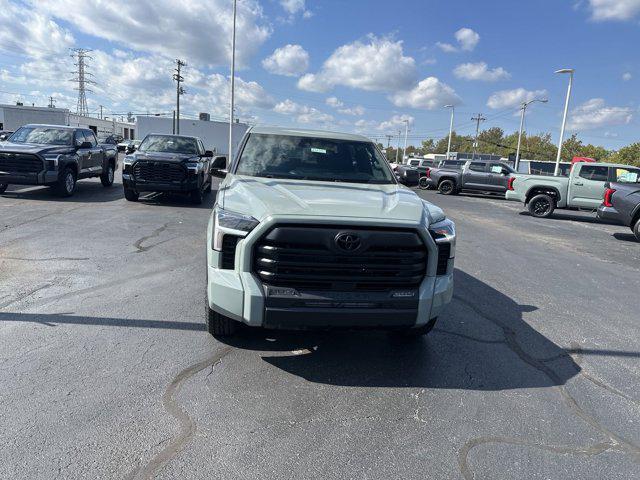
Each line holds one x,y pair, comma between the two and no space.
629,155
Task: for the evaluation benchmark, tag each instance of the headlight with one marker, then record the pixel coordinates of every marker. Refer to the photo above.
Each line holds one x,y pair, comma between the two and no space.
443,231
232,223
52,161
128,160
194,166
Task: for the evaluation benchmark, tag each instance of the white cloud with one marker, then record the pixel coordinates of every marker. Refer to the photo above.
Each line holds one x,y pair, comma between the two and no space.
480,71
627,76
429,93
595,113
290,60
303,113
191,30
34,35
378,64
602,10
467,40
340,107
396,122
513,98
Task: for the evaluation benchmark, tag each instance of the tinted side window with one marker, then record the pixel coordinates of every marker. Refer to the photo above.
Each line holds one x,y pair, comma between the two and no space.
78,137
626,175
596,173
90,137
477,167
414,163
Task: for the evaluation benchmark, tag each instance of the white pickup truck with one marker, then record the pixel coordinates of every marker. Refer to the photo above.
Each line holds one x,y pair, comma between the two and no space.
582,189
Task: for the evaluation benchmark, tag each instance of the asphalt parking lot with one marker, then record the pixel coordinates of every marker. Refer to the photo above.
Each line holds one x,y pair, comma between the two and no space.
107,372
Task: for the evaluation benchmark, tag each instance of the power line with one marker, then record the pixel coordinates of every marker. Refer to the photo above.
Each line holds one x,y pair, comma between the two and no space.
477,119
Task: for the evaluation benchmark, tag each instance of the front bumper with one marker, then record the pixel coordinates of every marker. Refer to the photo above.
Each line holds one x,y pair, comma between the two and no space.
187,185
46,177
514,196
240,295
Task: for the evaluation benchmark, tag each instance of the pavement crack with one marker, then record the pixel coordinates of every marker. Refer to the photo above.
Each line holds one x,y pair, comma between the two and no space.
589,450
187,425
138,243
539,365
25,295
416,413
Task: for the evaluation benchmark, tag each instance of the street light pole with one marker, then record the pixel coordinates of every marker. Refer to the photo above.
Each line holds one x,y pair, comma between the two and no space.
564,117
233,81
453,109
398,145
524,109
406,133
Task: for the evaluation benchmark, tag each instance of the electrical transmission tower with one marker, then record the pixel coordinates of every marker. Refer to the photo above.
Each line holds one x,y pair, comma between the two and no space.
82,78
179,91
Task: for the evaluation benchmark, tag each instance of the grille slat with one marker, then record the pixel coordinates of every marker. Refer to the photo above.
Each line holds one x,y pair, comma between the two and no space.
444,252
308,257
158,171
20,163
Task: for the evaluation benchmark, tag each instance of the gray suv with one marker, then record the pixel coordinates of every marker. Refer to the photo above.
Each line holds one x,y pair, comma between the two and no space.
478,176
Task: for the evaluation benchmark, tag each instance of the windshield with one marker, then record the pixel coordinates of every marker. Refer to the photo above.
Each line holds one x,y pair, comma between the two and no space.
309,158
42,135
169,144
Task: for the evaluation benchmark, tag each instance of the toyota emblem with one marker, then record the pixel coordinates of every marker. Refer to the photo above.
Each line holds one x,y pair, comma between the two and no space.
348,242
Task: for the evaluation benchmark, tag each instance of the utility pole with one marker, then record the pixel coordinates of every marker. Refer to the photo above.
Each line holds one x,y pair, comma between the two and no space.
174,122
389,137
81,55
453,109
179,91
101,106
232,86
398,145
477,119
406,133
51,102
524,109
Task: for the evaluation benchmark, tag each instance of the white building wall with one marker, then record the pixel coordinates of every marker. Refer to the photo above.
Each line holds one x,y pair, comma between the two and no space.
13,117
103,127
214,135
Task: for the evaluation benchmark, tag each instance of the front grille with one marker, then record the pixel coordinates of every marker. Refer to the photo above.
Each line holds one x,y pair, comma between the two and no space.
444,252
158,171
20,163
308,257
229,243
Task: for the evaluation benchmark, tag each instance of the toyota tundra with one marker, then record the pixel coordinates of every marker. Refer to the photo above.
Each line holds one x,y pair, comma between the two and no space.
312,230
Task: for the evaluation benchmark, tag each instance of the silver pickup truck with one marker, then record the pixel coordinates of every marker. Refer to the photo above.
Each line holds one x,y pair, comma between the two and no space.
582,189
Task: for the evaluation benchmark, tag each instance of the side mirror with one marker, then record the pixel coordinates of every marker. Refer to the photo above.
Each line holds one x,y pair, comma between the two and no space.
85,145
3,137
208,154
130,149
218,166
506,172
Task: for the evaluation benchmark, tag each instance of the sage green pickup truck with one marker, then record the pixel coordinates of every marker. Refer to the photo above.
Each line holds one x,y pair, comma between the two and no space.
582,189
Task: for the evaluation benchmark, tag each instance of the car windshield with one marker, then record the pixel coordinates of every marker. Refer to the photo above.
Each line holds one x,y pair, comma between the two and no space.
42,135
169,144
309,158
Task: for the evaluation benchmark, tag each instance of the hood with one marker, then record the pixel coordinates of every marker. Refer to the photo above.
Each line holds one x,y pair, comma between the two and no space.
262,197
35,148
164,156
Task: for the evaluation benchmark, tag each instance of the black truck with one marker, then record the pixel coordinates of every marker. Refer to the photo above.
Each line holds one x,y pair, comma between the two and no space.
622,202
477,176
56,156
168,163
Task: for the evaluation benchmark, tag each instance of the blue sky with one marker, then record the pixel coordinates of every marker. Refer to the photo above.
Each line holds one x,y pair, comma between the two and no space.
362,66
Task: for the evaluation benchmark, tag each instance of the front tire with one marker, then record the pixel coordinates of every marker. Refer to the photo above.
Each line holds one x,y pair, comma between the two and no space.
67,183
447,187
636,230
196,196
3,187
422,183
542,206
131,195
107,177
219,325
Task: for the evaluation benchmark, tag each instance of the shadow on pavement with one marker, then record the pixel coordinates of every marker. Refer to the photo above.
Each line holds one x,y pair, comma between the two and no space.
625,237
87,191
586,217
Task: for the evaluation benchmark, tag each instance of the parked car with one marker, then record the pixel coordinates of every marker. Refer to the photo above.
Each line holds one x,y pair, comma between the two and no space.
622,202
407,175
113,139
123,144
422,164
168,163
582,189
132,146
4,135
56,156
475,176
312,230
